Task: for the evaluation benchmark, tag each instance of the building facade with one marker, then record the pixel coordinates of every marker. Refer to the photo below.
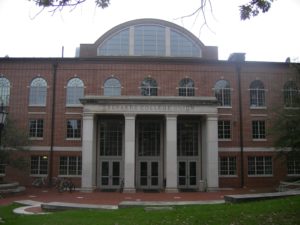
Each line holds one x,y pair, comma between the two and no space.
149,107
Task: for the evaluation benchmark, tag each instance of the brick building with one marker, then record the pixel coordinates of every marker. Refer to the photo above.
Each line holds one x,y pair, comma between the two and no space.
148,105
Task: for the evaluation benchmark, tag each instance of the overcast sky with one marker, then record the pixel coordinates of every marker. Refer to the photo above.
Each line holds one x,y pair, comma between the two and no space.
269,37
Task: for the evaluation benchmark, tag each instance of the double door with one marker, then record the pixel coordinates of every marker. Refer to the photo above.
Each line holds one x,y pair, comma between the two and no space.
110,174
187,174
149,174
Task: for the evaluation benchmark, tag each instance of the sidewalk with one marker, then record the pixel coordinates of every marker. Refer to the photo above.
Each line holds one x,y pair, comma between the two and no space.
45,195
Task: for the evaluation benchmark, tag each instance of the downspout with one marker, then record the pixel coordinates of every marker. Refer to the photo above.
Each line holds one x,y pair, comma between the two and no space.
54,73
238,59
238,70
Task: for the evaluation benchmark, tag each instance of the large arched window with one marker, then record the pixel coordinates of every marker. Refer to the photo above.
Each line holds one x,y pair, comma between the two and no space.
257,94
112,87
223,92
290,93
38,92
149,87
186,87
75,91
4,91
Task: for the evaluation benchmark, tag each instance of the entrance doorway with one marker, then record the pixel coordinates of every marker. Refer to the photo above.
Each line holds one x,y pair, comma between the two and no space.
149,153
110,145
188,152
110,174
187,174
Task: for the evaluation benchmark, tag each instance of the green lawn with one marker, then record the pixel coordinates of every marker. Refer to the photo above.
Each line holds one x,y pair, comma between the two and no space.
283,211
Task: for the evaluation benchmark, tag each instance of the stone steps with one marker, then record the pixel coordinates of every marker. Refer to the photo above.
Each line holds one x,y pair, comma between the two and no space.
11,189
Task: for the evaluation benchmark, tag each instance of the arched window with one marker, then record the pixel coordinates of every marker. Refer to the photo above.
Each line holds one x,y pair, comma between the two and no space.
75,90
149,87
290,93
223,92
257,94
186,87
38,92
112,87
4,91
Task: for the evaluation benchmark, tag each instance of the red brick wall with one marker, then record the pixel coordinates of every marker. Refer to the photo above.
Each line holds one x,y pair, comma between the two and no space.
131,72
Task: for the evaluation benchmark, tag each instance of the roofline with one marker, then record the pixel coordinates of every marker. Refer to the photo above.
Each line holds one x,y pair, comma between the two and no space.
134,59
147,21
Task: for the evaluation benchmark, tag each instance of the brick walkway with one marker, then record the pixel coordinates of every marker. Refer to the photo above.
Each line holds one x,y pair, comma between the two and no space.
114,198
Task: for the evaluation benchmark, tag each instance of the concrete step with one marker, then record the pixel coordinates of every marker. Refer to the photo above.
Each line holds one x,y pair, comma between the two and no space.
8,185
12,191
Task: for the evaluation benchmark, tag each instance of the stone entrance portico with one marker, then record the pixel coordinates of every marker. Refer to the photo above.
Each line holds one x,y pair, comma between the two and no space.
169,108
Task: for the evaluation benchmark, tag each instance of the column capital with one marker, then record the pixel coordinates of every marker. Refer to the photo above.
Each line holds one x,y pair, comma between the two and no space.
171,116
88,115
212,116
129,116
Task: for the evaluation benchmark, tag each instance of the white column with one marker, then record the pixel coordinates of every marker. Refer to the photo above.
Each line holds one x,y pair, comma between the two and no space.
210,154
129,156
88,179
171,153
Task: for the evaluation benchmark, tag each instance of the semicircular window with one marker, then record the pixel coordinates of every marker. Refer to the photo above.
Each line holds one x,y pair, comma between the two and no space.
75,91
186,87
38,92
112,87
4,91
149,87
116,45
183,46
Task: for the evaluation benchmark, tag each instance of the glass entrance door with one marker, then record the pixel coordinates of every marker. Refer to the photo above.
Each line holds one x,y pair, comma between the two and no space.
187,174
149,175
149,145
110,174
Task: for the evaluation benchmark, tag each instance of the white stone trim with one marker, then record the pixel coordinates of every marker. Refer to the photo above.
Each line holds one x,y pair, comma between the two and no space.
248,149
55,148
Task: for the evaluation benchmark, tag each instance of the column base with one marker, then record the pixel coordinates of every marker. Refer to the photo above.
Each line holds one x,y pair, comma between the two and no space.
171,190
212,189
87,189
129,190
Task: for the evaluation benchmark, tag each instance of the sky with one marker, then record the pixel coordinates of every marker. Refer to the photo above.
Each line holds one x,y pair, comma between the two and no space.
274,36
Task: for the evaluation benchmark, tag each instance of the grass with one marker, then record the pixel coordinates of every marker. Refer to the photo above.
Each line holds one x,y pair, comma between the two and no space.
285,211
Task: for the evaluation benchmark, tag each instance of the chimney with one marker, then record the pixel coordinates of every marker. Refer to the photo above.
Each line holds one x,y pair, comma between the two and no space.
237,57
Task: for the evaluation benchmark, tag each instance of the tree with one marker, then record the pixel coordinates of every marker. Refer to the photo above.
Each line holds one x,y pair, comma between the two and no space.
13,140
248,10
286,127
254,7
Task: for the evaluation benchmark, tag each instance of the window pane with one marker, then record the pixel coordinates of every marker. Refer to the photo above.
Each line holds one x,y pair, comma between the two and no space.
187,138
112,87
75,91
38,92
73,128
4,91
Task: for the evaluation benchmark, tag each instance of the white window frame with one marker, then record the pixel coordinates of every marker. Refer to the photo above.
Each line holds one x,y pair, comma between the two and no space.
228,162
38,92
263,164
74,91
224,130
261,129
78,170
40,158
4,91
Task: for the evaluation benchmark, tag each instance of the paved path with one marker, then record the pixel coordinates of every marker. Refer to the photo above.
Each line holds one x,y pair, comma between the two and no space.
35,197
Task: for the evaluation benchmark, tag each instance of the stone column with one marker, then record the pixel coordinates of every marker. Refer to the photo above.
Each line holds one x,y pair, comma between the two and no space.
88,177
210,152
171,153
129,155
